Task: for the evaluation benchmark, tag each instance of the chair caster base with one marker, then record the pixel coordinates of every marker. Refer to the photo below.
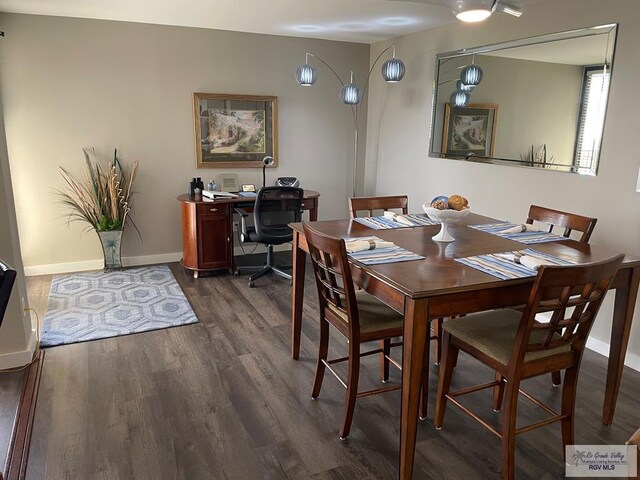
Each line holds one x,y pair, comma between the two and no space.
422,418
438,428
342,439
384,381
314,398
497,411
556,386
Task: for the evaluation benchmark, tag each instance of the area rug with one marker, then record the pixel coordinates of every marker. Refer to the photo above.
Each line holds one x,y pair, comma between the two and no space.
90,306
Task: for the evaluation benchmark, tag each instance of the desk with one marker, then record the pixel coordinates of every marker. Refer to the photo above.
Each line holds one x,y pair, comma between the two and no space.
207,226
440,287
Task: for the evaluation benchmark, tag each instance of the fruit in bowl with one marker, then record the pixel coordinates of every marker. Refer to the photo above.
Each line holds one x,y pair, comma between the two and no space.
453,210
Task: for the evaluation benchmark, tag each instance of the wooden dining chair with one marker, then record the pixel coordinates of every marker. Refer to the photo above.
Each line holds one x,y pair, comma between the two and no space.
358,316
371,204
513,344
566,220
386,203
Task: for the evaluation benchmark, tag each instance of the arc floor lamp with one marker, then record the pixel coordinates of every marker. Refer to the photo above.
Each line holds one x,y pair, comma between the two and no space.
393,71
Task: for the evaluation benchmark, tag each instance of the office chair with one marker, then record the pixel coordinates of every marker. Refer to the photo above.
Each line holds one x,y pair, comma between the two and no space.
274,210
7,279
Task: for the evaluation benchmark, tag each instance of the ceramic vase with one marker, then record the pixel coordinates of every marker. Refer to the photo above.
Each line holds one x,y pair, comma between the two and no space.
111,241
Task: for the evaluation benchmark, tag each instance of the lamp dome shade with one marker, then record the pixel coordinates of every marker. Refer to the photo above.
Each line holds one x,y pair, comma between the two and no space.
306,75
459,98
393,70
471,75
350,94
465,88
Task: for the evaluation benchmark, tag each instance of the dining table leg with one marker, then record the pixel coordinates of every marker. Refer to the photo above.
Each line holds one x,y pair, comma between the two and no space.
297,294
413,357
623,310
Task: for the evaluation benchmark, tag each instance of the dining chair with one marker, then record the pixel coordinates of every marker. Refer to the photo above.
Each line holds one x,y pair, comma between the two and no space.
371,204
386,203
517,347
358,316
7,279
568,221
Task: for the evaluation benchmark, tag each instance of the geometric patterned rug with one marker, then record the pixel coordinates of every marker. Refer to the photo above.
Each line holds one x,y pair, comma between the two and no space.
90,306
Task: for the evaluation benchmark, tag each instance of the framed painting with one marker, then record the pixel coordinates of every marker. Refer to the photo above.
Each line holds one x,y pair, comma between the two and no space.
235,130
469,131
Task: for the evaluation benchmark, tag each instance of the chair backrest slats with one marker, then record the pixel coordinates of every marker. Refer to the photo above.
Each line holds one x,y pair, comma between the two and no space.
566,220
557,289
333,276
370,204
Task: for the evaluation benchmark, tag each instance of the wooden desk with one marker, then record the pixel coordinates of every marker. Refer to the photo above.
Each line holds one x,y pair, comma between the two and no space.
207,229
439,287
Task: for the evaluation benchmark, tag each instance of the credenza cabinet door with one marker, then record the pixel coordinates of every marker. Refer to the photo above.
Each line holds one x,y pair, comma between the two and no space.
214,241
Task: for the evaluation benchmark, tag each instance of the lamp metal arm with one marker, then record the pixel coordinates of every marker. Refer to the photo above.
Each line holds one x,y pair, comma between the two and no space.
326,64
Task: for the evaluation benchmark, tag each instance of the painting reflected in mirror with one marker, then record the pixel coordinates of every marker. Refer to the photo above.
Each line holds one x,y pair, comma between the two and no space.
551,92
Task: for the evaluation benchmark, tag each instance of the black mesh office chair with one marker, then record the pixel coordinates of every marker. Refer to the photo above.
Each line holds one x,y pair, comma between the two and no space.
7,279
274,210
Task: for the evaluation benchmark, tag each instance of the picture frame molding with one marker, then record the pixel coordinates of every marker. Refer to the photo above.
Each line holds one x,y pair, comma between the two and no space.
448,110
200,163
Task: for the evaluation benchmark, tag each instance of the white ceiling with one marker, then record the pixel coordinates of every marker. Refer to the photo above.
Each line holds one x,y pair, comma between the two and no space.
364,21
575,51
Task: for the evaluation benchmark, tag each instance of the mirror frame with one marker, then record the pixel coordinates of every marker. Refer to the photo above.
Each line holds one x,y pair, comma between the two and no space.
610,29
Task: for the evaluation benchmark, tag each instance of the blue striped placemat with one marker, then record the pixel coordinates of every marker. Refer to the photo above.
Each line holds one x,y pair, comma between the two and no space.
505,269
382,255
384,223
529,238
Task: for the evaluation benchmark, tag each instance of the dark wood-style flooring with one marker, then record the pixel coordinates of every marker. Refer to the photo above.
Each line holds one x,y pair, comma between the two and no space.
223,399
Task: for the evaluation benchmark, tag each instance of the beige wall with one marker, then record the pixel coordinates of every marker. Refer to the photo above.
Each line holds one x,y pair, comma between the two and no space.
16,337
399,125
69,83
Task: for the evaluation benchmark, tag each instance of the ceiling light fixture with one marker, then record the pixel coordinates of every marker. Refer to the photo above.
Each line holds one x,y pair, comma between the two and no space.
479,10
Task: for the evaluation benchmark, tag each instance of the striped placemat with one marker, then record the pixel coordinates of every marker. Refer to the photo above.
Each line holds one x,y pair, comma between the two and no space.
382,255
384,223
498,266
529,238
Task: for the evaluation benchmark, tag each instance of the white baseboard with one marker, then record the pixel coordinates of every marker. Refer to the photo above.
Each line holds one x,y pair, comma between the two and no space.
97,264
631,360
55,268
21,357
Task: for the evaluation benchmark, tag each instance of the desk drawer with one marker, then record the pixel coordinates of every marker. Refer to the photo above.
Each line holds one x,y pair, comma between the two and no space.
308,204
212,209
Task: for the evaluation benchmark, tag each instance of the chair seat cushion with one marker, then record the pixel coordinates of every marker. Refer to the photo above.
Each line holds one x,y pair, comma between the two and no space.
374,315
493,333
275,235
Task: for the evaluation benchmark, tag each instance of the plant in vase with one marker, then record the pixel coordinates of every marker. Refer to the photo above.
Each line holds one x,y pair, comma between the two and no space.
102,199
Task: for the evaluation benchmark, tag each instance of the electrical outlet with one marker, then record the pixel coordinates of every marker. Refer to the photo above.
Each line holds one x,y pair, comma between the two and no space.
235,226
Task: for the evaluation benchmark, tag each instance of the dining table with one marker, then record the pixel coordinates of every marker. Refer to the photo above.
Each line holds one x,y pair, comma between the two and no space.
438,286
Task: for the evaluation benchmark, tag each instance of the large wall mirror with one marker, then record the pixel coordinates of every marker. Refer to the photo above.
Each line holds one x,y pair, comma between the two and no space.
538,102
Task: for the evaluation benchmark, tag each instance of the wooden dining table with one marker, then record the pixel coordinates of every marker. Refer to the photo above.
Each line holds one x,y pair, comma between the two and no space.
438,286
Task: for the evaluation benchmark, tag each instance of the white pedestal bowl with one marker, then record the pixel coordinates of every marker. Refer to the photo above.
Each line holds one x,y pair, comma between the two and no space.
446,218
